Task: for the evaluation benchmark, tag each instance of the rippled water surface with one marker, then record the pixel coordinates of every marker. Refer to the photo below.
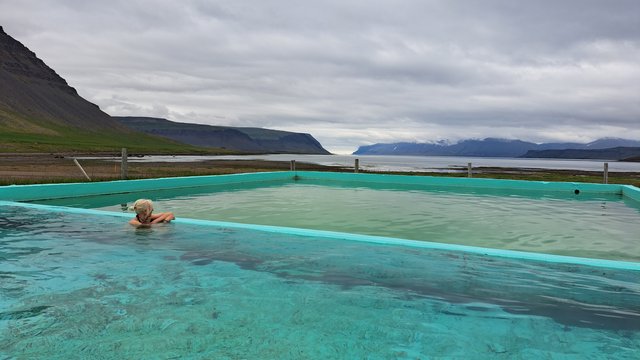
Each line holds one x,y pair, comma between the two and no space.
567,224
88,286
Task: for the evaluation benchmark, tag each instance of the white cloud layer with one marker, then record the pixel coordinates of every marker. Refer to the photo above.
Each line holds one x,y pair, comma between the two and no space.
352,72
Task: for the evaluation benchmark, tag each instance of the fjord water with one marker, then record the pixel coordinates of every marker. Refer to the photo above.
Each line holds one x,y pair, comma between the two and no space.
602,226
70,289
412,163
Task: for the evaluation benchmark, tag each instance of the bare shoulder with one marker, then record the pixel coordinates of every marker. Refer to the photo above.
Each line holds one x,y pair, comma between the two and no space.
137,223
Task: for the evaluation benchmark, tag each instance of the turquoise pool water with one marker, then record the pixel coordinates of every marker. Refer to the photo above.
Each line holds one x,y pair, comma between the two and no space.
70,289
601,226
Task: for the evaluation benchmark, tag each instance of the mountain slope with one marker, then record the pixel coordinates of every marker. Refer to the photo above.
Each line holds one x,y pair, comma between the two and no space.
250,140
39,111
37,97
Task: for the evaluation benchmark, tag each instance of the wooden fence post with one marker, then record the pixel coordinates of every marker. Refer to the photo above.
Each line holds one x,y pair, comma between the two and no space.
123,165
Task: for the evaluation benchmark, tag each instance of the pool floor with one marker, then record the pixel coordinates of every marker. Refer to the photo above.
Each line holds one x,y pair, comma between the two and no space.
69,289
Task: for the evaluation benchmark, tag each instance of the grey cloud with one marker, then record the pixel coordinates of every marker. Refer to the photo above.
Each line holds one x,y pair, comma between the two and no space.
352,72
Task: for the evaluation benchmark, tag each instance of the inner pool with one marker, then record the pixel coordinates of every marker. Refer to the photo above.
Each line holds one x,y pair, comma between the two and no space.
70,289
593,225
446,269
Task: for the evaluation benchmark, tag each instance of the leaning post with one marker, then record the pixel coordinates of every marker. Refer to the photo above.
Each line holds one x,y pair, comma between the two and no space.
81,169
605,179
356,166
123,165
469,171
292,167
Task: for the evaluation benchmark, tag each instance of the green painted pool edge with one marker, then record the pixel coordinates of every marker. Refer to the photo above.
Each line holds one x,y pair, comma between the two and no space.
55,191
511,254
479,183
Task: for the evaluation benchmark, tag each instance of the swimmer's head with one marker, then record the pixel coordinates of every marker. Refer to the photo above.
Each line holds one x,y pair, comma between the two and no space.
143,206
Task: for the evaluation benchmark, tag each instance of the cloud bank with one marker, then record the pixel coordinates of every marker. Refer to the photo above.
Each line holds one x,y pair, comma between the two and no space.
352,72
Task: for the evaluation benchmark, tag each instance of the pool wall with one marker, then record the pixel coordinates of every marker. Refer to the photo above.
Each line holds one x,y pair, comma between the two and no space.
567,187
631,192
57,191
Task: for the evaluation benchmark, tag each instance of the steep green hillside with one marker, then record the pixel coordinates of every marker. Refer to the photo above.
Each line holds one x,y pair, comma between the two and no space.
67,139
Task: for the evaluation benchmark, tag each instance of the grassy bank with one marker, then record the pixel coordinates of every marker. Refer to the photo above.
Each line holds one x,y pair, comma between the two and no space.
29,135
88,143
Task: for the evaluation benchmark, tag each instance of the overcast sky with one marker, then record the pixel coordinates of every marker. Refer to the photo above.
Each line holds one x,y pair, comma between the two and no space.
352,72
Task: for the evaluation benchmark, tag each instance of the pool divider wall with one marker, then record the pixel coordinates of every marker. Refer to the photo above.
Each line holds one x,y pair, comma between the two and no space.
568,187
511,254
57,191
66,190
631,192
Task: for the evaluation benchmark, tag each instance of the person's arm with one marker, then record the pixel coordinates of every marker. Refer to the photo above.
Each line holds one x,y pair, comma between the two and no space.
162,217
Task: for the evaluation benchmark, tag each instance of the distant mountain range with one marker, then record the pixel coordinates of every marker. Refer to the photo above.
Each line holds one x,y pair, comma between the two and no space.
618,149
244,139
40,112
615,153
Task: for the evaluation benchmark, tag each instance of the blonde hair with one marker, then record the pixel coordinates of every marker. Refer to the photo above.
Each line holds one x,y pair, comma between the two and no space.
142,205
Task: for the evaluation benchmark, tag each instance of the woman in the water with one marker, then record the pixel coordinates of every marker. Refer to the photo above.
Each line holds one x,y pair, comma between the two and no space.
145,215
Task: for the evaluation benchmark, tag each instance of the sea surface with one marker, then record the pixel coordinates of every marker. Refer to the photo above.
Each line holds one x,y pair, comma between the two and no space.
413,163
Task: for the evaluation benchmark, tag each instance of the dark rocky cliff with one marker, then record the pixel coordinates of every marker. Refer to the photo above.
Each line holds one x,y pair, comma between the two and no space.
34,98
